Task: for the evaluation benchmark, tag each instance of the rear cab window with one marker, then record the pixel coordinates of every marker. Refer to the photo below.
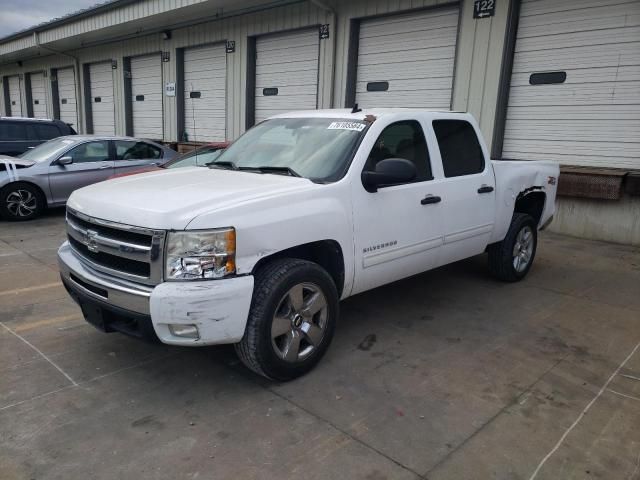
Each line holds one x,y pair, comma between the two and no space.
459,148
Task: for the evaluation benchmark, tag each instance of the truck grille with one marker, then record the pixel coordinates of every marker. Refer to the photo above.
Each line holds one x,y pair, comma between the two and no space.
131,253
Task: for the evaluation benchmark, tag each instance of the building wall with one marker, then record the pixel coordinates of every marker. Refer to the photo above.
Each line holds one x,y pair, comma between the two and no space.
476,72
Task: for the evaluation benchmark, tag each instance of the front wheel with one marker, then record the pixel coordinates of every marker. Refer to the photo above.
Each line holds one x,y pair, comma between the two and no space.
21,201
292,319
510,260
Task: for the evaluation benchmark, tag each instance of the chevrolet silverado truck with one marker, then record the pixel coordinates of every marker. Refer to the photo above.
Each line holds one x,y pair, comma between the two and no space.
303,210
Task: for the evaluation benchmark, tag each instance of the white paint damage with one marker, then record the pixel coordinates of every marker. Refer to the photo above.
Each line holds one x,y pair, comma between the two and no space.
218,308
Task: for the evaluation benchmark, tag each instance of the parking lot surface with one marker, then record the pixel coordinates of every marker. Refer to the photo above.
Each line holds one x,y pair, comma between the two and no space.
447,375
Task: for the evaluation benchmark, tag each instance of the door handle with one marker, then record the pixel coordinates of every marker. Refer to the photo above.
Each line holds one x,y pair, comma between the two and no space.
430,199
485,189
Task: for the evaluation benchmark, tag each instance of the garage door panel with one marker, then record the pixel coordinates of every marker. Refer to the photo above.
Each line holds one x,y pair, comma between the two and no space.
67,96
205,71
15,96
38,95
287,62
146,83
101,86
596,18
414,53
593,117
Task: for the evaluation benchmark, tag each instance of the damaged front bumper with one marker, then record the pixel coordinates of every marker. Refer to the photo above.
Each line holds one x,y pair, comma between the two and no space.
216,310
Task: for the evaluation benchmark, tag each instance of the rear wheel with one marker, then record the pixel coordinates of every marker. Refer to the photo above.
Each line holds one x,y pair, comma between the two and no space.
292,319
511,259
21,201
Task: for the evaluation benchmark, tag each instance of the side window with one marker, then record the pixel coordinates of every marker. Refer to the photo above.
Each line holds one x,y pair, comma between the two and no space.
46,132
90,152
459,147
406,140
12,131
131,150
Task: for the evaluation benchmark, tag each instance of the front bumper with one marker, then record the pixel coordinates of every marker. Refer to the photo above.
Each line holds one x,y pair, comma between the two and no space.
218,308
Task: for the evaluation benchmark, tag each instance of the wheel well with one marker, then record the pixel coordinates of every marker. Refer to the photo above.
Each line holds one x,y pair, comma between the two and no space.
38,189
326,253
531,203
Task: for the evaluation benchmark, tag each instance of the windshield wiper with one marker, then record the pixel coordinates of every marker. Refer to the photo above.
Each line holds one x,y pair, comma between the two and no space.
225,165
276,170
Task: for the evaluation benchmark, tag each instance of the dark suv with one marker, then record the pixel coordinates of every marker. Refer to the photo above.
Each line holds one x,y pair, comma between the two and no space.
19,134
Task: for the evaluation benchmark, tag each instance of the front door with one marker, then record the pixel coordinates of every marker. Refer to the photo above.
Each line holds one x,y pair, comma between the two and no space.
398,229
91,164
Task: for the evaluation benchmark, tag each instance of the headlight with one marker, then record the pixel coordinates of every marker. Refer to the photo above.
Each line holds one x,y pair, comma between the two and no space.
200,254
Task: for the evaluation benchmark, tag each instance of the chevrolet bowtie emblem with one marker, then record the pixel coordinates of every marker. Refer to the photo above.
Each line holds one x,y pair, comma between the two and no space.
91,240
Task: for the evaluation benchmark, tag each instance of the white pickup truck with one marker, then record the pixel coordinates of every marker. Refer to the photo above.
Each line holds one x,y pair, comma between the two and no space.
303,210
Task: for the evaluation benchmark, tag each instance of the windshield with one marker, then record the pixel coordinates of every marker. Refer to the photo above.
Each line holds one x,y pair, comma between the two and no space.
198,158
47,150
319,149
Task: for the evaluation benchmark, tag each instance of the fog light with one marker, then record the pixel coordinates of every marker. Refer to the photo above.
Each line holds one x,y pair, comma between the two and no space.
185,331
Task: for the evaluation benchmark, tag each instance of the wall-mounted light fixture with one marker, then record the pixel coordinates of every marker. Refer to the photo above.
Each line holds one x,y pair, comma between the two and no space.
166,34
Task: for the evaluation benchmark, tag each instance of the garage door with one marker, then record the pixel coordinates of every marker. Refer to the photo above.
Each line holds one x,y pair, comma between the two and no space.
102,111
67,96
407,60
286,72
575,87
205,81
15,96
38,95
146,96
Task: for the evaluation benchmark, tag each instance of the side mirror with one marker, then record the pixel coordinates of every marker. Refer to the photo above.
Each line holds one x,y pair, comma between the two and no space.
389,171
65,161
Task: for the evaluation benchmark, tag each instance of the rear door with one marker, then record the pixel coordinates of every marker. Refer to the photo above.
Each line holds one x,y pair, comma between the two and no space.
468,190
92,163
132,155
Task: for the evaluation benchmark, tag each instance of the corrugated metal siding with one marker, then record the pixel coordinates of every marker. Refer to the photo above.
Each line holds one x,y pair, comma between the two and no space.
593,118
147,97
286,63
205,72
67,96
38,95
413,53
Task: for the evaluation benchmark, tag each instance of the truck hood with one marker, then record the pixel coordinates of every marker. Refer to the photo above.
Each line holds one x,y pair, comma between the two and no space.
170,199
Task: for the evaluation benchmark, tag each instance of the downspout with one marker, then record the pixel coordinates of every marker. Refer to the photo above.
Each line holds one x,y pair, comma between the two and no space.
76,63
332,35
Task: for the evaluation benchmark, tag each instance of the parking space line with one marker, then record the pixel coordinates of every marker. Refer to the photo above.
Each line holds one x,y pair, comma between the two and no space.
73,382
624,395
582,414
46,322
30,289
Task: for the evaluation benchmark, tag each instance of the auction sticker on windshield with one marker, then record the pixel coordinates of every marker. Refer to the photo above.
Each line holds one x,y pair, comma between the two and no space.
358,127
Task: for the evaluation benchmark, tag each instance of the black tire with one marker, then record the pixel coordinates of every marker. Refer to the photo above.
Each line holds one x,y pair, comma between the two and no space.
273,282
502,260
31,209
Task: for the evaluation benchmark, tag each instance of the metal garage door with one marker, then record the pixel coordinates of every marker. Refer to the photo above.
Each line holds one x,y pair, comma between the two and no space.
38,95
146,96
15,96
102,111
67,96
575,87
205,81
286,72
407,60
